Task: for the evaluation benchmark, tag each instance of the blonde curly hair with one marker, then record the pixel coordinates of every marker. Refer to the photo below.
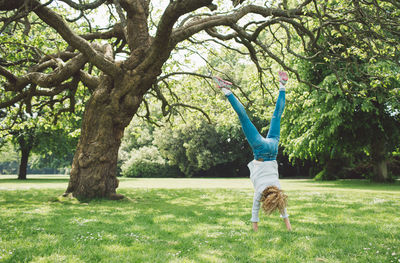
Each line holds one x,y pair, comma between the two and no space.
272,199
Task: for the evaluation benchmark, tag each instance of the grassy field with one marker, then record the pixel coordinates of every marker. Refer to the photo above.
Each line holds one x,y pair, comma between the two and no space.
198,220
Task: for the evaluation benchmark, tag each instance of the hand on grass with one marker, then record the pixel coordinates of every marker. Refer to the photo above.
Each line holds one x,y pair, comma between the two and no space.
255,226
287,223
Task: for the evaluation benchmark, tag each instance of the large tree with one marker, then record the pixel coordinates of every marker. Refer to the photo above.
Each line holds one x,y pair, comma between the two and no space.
354,113
52,143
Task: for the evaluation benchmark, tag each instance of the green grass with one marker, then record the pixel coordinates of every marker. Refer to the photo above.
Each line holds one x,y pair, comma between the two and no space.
198,220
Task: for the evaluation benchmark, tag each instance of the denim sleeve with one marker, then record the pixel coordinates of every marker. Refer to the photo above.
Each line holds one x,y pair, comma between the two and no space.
256,207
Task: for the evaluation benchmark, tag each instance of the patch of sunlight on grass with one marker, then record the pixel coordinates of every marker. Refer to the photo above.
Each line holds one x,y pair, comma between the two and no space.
110,236
116,248
268,254
34,176
232,222
176,183
163,218
211,255
186,201
57,258
305,243
11,183
202,229
181,260
48,238
82,221
39,211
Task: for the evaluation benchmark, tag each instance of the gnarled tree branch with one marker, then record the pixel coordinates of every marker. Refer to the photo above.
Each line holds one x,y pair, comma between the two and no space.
54,20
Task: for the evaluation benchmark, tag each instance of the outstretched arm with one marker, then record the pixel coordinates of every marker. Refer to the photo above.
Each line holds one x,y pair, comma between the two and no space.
285,218
255,211
287,223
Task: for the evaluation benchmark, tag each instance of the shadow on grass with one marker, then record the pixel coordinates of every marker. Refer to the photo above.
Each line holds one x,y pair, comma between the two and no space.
185,225
150,226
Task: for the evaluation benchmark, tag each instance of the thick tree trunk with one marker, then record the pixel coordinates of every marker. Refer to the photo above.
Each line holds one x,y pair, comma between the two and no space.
381,171
25,141
23,166
94,166
379,161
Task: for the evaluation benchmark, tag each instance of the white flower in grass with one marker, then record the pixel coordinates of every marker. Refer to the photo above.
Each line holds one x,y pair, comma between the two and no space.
378,201
394,254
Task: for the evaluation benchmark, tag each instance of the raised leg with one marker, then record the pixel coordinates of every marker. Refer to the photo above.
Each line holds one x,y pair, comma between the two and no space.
250,131
275,126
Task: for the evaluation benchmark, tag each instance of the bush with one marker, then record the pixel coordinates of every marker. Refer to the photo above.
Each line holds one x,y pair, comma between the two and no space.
147,162
199,149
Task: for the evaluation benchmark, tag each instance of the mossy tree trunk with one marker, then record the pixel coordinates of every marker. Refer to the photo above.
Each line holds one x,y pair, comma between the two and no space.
107,113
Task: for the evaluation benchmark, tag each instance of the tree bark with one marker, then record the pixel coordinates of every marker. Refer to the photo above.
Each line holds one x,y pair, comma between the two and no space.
379,161
381,171
23,166
25,141
10,5
107,113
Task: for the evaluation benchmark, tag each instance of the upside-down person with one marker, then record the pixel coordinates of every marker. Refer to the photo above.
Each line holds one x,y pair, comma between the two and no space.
264,168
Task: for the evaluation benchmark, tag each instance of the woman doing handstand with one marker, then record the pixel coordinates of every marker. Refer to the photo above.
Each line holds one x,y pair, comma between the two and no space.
264,168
